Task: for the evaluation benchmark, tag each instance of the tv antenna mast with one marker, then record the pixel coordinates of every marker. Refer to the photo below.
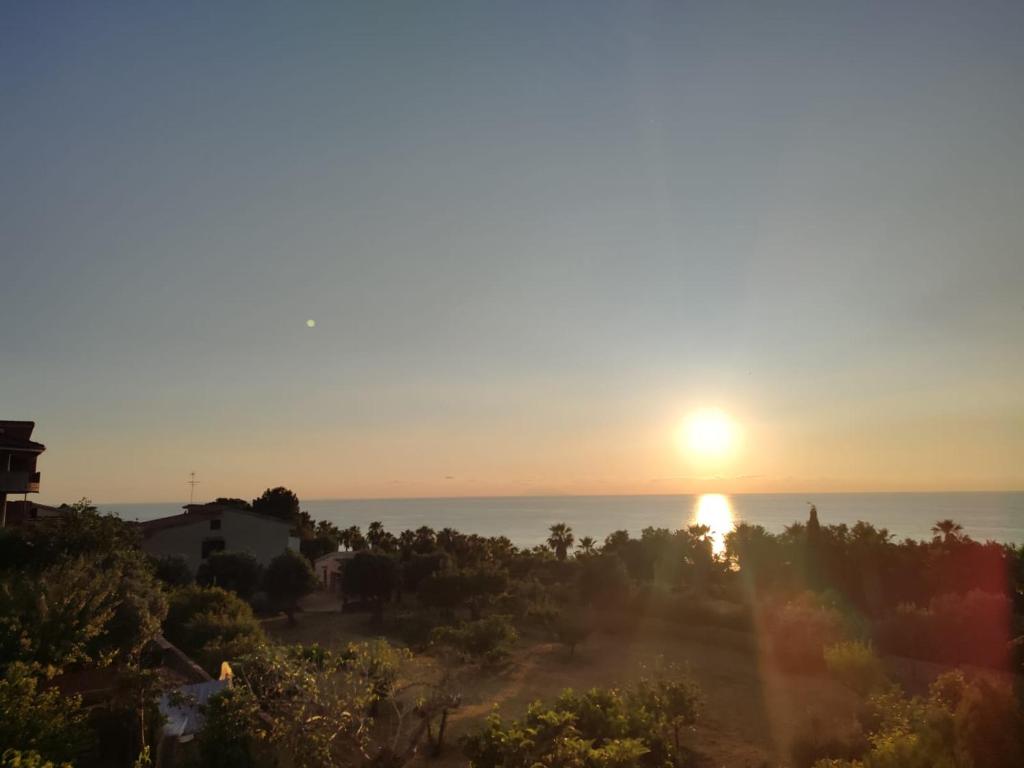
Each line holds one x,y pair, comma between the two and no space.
192,483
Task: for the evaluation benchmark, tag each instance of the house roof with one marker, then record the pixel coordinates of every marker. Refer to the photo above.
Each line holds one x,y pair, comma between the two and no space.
29,511
149,527
14,436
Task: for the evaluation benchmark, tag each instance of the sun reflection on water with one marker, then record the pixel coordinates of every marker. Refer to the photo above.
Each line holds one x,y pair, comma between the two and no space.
714,511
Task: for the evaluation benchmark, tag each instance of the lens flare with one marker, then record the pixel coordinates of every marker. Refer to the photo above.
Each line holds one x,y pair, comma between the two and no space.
714,511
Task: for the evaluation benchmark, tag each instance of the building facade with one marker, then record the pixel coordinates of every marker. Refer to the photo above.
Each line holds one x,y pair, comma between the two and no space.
18,456
204,529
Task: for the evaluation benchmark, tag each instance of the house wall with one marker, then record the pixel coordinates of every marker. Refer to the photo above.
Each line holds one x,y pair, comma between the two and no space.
263,538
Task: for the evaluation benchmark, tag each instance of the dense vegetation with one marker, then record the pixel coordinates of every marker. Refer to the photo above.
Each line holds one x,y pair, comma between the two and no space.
78,597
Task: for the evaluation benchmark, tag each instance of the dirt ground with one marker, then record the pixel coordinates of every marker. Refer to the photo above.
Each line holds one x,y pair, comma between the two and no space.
751,714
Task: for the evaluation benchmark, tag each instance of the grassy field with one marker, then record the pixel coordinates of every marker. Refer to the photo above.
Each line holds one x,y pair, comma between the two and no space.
752,711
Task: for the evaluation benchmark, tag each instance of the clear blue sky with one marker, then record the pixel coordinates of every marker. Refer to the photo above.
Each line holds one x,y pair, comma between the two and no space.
533,237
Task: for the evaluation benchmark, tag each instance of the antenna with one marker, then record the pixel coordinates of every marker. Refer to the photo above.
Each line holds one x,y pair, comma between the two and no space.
192,483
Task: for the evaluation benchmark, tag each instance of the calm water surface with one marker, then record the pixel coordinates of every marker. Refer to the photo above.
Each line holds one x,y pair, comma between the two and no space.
525,520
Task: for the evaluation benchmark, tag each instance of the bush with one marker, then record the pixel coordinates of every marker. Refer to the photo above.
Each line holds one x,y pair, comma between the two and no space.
972,628
41,720
856,666
208,622
172,570
13,758
486,639
602,728
227,737
797,631
237,572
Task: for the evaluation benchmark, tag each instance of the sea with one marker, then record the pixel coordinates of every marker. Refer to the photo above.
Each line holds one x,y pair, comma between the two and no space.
996,516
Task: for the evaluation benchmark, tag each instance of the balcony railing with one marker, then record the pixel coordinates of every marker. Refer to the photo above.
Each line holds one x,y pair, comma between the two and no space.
19,482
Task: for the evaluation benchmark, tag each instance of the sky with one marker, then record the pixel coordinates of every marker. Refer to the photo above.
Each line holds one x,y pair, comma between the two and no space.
533,238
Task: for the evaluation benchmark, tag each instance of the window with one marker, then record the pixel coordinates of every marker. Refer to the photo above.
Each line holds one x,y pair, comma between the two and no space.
212,545
215,524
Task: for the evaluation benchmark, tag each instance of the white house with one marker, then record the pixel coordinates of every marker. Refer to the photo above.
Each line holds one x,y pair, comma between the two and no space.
206,528
328,569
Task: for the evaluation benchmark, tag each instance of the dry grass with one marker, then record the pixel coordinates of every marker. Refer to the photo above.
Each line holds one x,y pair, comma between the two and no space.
752,712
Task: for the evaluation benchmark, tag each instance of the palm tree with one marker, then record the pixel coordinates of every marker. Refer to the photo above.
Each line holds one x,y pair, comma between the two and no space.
587,546
375,534
561,540
947,531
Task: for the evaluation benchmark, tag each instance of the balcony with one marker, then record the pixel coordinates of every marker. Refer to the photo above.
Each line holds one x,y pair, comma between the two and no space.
19,482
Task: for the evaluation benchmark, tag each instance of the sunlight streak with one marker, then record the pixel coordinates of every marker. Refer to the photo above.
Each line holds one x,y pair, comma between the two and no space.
714,511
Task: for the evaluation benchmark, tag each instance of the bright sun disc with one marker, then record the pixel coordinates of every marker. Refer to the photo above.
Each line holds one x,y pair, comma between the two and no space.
708,434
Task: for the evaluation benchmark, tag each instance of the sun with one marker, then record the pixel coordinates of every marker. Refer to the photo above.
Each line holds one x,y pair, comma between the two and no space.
708,435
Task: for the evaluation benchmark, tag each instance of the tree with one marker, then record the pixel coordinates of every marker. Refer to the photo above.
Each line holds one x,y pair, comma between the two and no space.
372,577
587,547
948,532
225,501
238,572
172,570
487,639
211,624
278,502
602,728
561,540
228,736
289,579
425,540
44,721
571,629
603,579
352,538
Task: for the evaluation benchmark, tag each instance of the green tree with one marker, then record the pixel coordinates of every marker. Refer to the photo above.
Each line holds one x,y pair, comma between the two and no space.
237,572
289,579
571,629
278,502
371,577
40,720
211,624
488,639
587,547
233,503
172,570
230,732
561,540
948,532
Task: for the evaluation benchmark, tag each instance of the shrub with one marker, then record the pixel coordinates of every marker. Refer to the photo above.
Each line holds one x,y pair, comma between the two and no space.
227,738
602,728
971,628
13,758
209,622
485,639
797,631
856,666
172,570
42,720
